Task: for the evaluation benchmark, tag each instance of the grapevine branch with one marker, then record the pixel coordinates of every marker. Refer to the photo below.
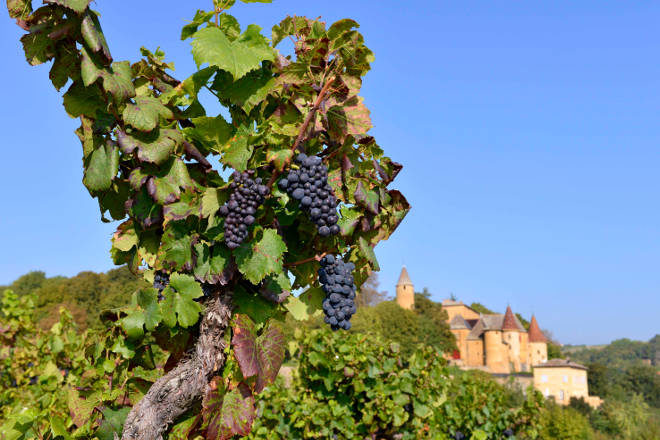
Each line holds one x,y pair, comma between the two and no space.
304,126
173,394
307,260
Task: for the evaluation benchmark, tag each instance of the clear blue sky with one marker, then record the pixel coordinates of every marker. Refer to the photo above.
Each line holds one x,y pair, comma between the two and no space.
528,130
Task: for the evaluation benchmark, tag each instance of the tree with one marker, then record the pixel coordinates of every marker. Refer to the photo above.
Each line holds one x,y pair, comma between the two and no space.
224,281
480,308
369,294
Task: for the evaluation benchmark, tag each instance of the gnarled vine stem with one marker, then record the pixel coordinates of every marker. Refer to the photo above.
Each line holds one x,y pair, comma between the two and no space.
176,392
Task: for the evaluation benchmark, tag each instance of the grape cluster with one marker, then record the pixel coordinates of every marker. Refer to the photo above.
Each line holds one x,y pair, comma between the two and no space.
337,283
508,433
161,281
309,185
246,197
458,435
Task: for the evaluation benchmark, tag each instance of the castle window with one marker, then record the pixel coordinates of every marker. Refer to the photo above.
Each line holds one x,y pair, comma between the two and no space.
565,379
561,395
546,393
544,378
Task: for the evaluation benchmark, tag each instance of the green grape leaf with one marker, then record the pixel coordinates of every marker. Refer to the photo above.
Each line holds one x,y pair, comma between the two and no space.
368,252
78,6
93,35
253,305
154,147
166,188
79,408
133,324
260,258
211,132
102,167
80,100
259,356
211,263
144,114
147,299
211,45
118,81
60,72
179,296
349,220
176,249
248,91
238,150
200,18
38,48
230,414
112,423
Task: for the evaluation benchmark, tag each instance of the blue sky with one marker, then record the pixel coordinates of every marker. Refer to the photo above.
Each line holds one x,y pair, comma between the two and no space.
529,134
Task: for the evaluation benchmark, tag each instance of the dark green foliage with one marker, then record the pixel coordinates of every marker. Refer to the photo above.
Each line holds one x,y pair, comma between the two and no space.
356,386
480,308
86,295
406,327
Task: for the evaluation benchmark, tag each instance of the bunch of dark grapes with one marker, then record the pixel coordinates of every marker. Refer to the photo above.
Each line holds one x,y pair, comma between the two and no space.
161,281
309,185
458,435
508,432
337,283
247,196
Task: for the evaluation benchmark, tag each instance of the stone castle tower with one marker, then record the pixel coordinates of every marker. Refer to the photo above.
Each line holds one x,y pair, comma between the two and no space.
405,292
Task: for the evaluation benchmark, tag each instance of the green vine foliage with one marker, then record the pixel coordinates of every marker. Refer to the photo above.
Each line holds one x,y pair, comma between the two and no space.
149,149
357,387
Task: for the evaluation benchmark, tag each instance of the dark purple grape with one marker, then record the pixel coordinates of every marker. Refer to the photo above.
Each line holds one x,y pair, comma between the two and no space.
240,210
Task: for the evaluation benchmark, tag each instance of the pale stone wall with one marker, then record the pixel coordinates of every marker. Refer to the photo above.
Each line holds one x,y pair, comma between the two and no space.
538,353
461,341
496,355
561,383
460,309
511,338
405,296
524,352
475,353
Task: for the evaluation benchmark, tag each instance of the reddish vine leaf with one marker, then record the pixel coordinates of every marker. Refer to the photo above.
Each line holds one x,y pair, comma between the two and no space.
229,414
260,356
366,198
145,113
19,8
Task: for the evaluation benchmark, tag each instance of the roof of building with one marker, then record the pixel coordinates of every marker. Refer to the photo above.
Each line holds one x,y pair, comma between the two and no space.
404,278
492,322
535,333
458,323
451,302
509,320
477,330
560,363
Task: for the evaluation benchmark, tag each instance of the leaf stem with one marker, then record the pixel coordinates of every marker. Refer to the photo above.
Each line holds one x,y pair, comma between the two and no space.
304,126
307,260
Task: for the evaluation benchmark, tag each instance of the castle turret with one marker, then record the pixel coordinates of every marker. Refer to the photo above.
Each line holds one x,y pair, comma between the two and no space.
512,338
538,343
405,292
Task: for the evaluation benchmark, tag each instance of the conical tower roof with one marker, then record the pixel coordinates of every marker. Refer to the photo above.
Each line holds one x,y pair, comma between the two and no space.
404,278
535,333
509,320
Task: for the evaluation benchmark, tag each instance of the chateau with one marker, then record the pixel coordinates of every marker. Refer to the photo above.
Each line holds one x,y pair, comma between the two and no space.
493,342
499,344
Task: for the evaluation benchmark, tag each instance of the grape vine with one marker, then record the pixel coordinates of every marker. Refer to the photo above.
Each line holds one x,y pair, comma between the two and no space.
213,248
